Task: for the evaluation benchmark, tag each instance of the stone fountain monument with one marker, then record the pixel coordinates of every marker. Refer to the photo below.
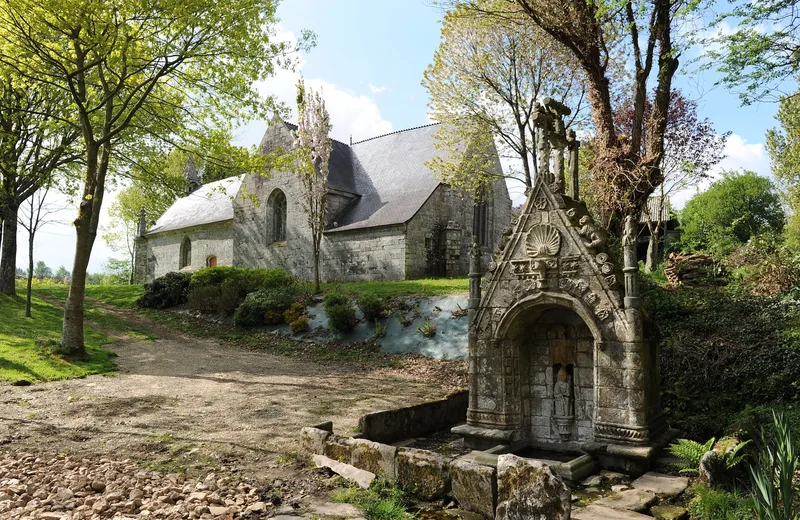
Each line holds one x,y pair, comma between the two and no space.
561,356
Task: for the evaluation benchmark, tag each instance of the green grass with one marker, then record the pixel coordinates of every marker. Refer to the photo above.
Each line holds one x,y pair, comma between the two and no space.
425,287
382,501
27,344
124,296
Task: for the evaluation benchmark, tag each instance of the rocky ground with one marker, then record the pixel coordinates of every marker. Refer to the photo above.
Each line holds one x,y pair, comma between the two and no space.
183,408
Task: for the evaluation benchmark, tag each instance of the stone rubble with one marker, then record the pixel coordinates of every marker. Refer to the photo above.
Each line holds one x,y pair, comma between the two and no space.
63,488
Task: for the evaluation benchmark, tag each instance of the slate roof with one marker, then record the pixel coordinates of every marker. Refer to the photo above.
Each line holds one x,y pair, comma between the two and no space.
391,178
210,203
387,174
654,212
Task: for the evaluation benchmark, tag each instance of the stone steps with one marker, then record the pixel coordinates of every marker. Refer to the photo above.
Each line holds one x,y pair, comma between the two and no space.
632,504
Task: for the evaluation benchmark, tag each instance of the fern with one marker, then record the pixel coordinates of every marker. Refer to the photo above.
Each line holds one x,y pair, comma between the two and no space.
735,456
690,452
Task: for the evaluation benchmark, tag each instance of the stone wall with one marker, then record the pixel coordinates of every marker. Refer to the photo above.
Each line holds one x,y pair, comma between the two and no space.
450,212
163,249
415,421
356,255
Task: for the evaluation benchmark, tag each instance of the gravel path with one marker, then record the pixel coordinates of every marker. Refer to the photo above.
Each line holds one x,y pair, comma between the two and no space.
194,406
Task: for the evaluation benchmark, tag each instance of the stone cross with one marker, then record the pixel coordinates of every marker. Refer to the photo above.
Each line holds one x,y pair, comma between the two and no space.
142,224
573,145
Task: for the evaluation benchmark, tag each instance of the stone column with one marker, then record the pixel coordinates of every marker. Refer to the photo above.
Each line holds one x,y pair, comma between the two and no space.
140,250
631,265
474,280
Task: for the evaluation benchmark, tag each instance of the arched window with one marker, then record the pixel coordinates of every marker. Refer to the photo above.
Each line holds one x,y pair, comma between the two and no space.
276,214
211,261
186,253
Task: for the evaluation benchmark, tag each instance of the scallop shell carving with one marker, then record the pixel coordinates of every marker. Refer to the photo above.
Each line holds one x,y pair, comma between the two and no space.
543,240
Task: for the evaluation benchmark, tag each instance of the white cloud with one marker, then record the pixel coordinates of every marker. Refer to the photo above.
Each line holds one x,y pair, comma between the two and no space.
377,90
351,114
740,155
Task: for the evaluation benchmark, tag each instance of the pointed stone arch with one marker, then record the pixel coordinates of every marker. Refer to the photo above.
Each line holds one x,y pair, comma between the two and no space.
185,253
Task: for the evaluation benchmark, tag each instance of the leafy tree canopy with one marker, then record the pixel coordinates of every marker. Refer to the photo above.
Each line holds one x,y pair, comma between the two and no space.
783,146
733,209
761,53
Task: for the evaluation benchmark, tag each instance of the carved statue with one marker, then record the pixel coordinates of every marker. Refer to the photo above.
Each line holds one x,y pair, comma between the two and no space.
505,236
588,231
629,233
562,393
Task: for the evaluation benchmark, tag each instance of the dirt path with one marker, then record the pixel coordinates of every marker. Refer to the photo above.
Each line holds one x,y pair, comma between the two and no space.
184,403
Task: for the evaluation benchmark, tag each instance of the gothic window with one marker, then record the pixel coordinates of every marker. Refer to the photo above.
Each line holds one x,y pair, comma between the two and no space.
276,212
480,222
186,253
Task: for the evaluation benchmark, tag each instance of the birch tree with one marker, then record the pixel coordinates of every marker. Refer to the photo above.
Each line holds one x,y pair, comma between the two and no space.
311,157
483,83
138,76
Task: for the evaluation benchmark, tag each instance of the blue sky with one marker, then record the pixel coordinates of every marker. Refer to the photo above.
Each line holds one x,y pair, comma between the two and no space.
369,61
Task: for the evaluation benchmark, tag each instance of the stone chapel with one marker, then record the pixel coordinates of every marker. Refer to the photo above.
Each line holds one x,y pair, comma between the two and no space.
388,217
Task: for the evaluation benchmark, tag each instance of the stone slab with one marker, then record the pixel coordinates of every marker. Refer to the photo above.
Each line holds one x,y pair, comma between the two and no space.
474,487
631,500
335,510
661,485
669,512
424,472
598,512
361,477
528,489
312,441
374,457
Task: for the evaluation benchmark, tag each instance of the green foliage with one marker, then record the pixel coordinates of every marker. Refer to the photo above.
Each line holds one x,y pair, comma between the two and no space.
340,311
166,291
253,310
760,52
690,452
247,280
717,504
294,312
371,306
783,146
299,325
381,501
427,328
42,271
721,351
380,330
733,209
773,474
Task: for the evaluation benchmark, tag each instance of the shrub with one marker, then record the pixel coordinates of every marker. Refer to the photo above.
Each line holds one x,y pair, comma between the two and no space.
335,298
300,325
340,311
721,352
166,291
380,329
716,504
427,328
293,313
371,306
264,307
224,298
244,279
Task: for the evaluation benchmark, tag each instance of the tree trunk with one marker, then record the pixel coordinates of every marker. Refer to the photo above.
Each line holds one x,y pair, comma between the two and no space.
8,262
651,260
30,274
317,288
72,330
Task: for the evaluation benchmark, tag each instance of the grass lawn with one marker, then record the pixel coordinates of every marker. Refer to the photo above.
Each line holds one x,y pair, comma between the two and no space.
118,295
424,287
26,344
